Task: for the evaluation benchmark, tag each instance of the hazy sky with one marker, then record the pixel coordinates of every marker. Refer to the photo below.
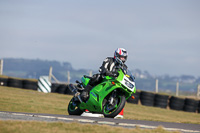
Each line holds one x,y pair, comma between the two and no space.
161,36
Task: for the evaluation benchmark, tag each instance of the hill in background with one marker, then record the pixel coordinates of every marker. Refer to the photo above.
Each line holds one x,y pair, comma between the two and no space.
30,68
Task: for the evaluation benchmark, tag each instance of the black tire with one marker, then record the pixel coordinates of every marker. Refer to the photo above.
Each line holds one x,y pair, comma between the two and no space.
199,104
54,87
121,105
160,104
15,83
67,91
147,98
176,103
161,101
176,107
191,105
189,108
177,100
191,102
62,89
3,81
161,97
147,95
198,109
27,84
147,102
73,108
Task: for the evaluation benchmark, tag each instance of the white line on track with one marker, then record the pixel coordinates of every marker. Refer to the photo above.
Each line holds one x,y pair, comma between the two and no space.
100,122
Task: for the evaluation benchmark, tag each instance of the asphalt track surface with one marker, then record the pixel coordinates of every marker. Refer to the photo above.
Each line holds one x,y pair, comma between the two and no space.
182,127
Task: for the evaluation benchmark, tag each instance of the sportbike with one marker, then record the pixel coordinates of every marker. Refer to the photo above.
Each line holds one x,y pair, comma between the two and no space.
107,98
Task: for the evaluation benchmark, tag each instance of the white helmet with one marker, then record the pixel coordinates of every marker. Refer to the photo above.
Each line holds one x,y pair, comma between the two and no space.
120,55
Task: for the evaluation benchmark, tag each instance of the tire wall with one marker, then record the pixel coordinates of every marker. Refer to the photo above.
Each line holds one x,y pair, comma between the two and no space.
147,98
161,101
60,88
190,105
32,85
17,83
176,103
143,97
3,81
165,101
198,107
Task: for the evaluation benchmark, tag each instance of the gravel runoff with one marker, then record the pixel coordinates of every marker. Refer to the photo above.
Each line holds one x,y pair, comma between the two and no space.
185,128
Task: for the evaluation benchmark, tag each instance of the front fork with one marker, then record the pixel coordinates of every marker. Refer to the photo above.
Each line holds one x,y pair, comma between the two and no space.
111,99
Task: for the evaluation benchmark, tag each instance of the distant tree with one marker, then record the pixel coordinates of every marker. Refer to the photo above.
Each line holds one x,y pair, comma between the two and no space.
187,77
198,80
138,71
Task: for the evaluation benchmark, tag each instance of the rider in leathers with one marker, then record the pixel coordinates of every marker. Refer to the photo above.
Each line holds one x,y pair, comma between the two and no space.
109,68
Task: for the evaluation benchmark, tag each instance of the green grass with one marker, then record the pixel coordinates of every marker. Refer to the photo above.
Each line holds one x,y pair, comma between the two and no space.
61,127
21,100
139,112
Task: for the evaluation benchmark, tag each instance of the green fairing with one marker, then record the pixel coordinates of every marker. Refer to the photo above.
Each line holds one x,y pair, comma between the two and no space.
108,97
85,81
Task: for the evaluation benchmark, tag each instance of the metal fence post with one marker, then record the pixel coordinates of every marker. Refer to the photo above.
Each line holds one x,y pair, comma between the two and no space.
52,76
50,73
1,67
177,88
156,86
90,73
68,76
198,90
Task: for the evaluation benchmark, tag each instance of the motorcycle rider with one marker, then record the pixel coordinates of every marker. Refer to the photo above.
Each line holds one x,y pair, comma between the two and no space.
109,67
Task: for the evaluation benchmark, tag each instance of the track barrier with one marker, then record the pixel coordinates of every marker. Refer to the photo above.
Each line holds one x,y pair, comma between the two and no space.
44,85
141,97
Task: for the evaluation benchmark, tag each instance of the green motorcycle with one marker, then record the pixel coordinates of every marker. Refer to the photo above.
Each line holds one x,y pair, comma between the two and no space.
107,98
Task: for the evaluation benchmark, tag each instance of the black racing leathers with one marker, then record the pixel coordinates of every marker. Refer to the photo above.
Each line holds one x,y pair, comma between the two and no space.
110,67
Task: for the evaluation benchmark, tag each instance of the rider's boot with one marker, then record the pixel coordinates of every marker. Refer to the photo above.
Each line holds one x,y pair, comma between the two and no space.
85,92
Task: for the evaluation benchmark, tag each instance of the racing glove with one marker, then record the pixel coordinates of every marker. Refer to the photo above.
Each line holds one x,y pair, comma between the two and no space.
115,74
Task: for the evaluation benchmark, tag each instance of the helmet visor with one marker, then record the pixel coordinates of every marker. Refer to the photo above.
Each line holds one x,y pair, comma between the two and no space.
123,58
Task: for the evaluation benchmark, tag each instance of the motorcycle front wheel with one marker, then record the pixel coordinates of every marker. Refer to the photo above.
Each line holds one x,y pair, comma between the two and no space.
73,107
112,110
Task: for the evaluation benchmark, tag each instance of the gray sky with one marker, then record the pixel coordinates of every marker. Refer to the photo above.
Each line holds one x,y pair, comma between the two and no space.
162,37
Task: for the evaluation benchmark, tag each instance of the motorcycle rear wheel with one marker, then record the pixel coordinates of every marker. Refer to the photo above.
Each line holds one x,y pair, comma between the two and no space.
116,109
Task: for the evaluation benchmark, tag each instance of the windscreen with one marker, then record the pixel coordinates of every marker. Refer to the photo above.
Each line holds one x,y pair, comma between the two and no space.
130,74
127,72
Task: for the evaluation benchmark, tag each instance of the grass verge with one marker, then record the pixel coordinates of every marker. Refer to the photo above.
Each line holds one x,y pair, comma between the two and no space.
21,100
61,127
